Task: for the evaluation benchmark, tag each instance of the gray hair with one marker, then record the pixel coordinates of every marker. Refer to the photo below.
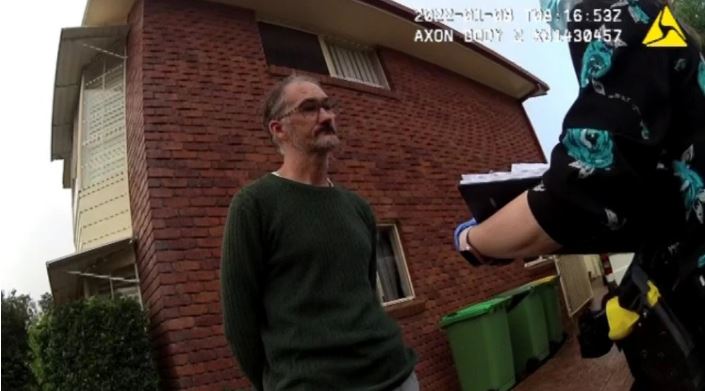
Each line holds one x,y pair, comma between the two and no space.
274,102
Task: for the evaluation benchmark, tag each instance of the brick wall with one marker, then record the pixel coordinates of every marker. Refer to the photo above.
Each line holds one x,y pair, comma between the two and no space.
196,77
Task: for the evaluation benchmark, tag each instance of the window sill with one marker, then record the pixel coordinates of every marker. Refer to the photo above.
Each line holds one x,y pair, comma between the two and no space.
329,80
406,309
540,263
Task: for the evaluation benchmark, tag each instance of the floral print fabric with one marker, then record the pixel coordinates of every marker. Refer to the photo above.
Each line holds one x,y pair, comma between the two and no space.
630,163
591,149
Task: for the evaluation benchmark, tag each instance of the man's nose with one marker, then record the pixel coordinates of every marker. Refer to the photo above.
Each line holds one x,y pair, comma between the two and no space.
325,115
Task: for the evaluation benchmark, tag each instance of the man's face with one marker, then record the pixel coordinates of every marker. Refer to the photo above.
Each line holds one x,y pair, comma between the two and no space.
307,126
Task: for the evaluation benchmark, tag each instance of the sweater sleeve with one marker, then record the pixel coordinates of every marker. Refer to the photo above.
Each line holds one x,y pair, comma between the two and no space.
241,277
612,136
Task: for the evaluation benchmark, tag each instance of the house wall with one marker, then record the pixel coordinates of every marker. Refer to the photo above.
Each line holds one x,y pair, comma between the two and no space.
196,77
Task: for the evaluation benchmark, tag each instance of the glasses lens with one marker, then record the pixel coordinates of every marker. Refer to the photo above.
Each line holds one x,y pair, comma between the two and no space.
309,106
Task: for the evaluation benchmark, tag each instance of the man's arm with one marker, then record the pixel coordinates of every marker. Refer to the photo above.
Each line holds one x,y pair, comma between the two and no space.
240,278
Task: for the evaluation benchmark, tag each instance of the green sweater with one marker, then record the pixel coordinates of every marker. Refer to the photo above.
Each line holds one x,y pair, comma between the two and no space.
299,297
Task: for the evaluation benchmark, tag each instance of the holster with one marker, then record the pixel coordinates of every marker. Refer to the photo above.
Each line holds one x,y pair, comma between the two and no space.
659,348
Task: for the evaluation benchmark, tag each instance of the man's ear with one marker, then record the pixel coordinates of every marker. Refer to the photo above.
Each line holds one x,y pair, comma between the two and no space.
276,130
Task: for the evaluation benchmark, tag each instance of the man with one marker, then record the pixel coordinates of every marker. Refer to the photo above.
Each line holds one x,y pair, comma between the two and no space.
298,272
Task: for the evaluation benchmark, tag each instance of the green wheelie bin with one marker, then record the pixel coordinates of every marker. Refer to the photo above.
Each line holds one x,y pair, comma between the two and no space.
479,341
547,289
527,328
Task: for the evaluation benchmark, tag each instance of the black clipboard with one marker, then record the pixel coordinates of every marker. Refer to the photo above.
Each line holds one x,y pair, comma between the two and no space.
485,198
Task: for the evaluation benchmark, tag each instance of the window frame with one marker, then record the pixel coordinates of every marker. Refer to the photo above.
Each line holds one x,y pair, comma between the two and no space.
402,266
327,56
376,65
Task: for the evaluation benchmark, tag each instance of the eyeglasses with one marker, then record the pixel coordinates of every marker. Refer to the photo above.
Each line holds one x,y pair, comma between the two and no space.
311,107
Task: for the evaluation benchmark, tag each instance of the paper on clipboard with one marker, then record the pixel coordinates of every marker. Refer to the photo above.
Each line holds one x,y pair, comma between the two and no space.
486,193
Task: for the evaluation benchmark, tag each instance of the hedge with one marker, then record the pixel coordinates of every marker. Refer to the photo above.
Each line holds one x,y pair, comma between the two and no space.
93,344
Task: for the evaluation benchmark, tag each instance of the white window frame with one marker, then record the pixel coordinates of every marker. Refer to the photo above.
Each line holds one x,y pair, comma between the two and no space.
402,267
377,68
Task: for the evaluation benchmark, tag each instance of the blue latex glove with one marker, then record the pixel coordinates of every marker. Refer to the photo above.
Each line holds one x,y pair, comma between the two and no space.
460,240
472,256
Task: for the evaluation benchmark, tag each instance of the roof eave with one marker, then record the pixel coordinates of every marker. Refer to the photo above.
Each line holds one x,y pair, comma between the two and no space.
99,12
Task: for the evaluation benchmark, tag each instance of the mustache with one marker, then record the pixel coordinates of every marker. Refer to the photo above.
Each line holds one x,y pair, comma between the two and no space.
327,127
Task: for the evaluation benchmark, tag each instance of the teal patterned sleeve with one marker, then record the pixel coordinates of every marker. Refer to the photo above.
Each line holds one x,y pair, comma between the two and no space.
614,171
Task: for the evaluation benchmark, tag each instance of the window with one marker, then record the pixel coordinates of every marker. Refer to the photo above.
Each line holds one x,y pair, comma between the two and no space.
111,282
393,281
292,48
354,62
101,191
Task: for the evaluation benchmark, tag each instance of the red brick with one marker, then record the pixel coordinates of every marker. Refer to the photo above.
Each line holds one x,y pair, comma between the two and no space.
176,300
209,242
202,276
211,285
179,323
160,172
193,310
209,320
203,201
179,359
175,202
185,266
202,356
167,233
206,221
200,332
196,233
189,288
173,278
205,297
170,256
161,192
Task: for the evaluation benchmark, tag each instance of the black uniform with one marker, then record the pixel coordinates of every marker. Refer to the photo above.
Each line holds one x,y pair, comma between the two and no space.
629,171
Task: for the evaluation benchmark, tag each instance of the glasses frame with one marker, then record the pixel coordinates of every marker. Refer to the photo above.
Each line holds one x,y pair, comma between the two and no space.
332,104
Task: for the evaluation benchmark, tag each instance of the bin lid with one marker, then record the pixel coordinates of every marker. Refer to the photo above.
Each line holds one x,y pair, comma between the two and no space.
473,311
546,280
516,291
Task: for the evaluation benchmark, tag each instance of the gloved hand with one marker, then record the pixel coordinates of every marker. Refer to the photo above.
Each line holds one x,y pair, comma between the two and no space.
461,233
460,240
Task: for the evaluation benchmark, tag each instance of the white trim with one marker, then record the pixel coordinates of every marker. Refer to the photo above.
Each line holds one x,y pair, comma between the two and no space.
327,56
104,51
77,183
402,267
103,277
365,50
540,261
565,289
398,301
139,286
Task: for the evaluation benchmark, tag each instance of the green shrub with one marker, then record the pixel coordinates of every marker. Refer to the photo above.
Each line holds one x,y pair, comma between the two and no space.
17,313
95,344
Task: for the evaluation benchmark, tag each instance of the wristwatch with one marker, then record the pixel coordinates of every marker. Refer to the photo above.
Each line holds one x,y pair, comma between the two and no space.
476,258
